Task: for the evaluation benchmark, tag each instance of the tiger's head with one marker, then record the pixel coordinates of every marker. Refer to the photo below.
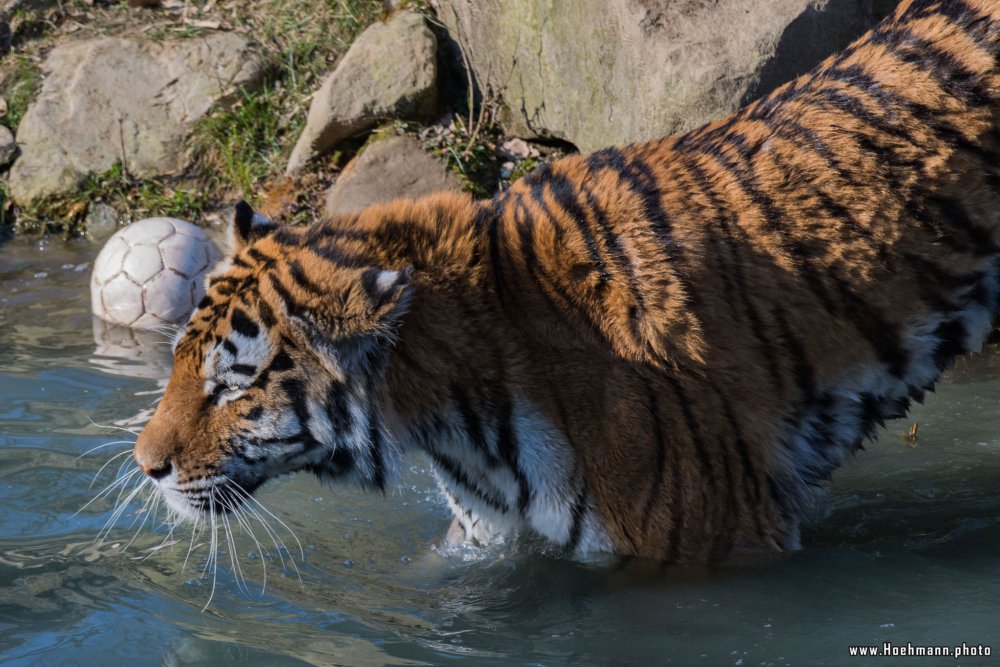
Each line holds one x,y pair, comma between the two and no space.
277,370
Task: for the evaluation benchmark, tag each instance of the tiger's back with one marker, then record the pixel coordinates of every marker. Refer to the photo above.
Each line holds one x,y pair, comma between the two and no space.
655,350
789,277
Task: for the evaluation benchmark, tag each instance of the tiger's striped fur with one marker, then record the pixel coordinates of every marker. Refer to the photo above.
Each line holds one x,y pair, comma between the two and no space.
652,350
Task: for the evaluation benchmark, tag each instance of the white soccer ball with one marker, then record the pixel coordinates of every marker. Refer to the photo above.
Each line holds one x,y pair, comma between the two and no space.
151,273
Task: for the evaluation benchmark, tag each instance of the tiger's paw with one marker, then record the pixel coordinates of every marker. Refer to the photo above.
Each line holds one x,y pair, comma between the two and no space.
472,531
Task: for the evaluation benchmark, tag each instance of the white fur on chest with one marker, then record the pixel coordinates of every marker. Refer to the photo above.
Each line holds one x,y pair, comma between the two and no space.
485,493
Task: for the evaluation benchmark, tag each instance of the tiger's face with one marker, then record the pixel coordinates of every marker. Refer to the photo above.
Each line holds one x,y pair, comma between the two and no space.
278,370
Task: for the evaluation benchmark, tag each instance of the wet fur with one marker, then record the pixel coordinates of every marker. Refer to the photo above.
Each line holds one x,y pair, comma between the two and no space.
652,350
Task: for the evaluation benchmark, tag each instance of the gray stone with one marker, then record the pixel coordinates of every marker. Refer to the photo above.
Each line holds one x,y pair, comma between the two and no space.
101,222
604,72
8,147
388,169
389,72
124,99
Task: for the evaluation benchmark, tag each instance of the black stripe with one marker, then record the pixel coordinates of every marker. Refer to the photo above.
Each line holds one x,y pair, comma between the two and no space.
301,279
738,275
638,176
243,369
450,467
281,361
243,325
620,259
714,492
804,376
773,220
292,306
508,447
565,194
473,425
230,347
295,389
261,257
576,526
560,304
661,458
337,409
287,236
213,398
267,317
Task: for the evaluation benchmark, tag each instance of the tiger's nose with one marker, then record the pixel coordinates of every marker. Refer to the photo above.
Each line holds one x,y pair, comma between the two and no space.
158,471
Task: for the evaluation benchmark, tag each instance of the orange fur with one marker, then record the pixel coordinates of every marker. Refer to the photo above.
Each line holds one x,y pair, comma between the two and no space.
708,324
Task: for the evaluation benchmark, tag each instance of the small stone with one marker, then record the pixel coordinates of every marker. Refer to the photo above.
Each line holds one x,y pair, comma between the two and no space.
388,169
506,169
389,72
3,107
102,222
8,146
519,149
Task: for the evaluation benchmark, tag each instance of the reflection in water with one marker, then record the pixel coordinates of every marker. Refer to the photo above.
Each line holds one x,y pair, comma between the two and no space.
903,547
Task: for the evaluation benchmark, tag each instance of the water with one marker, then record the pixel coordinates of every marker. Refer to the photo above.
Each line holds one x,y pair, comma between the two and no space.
903,548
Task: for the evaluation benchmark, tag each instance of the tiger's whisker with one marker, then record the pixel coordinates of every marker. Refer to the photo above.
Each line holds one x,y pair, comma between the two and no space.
107,490
107,444
106,464
213,552
245,525
114,428
274,536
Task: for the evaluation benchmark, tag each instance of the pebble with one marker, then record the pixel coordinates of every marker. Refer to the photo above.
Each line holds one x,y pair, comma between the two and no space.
8,146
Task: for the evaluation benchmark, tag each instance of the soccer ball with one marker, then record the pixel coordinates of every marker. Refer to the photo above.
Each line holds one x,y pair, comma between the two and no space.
151,273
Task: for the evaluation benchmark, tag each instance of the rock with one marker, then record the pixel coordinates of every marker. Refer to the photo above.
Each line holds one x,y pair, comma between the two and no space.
519,149
603,72
112,95
389,71
385,170
8,147
101,222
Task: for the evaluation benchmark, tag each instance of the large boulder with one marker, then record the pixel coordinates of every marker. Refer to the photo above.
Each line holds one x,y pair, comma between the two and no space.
124,99
602,72
387,169
389,72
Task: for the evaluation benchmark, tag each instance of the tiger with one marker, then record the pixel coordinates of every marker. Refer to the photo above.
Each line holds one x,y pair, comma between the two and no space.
659,351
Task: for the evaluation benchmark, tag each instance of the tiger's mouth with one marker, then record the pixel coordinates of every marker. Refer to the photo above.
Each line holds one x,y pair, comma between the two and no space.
214,495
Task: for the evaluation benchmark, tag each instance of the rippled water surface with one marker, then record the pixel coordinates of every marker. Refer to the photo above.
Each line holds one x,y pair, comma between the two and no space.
904,547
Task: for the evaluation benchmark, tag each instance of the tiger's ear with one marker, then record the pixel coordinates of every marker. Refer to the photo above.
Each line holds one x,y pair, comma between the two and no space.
388,293
248,227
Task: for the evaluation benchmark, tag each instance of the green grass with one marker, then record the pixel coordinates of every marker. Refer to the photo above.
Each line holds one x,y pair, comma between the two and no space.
21,85
132,197
244,145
